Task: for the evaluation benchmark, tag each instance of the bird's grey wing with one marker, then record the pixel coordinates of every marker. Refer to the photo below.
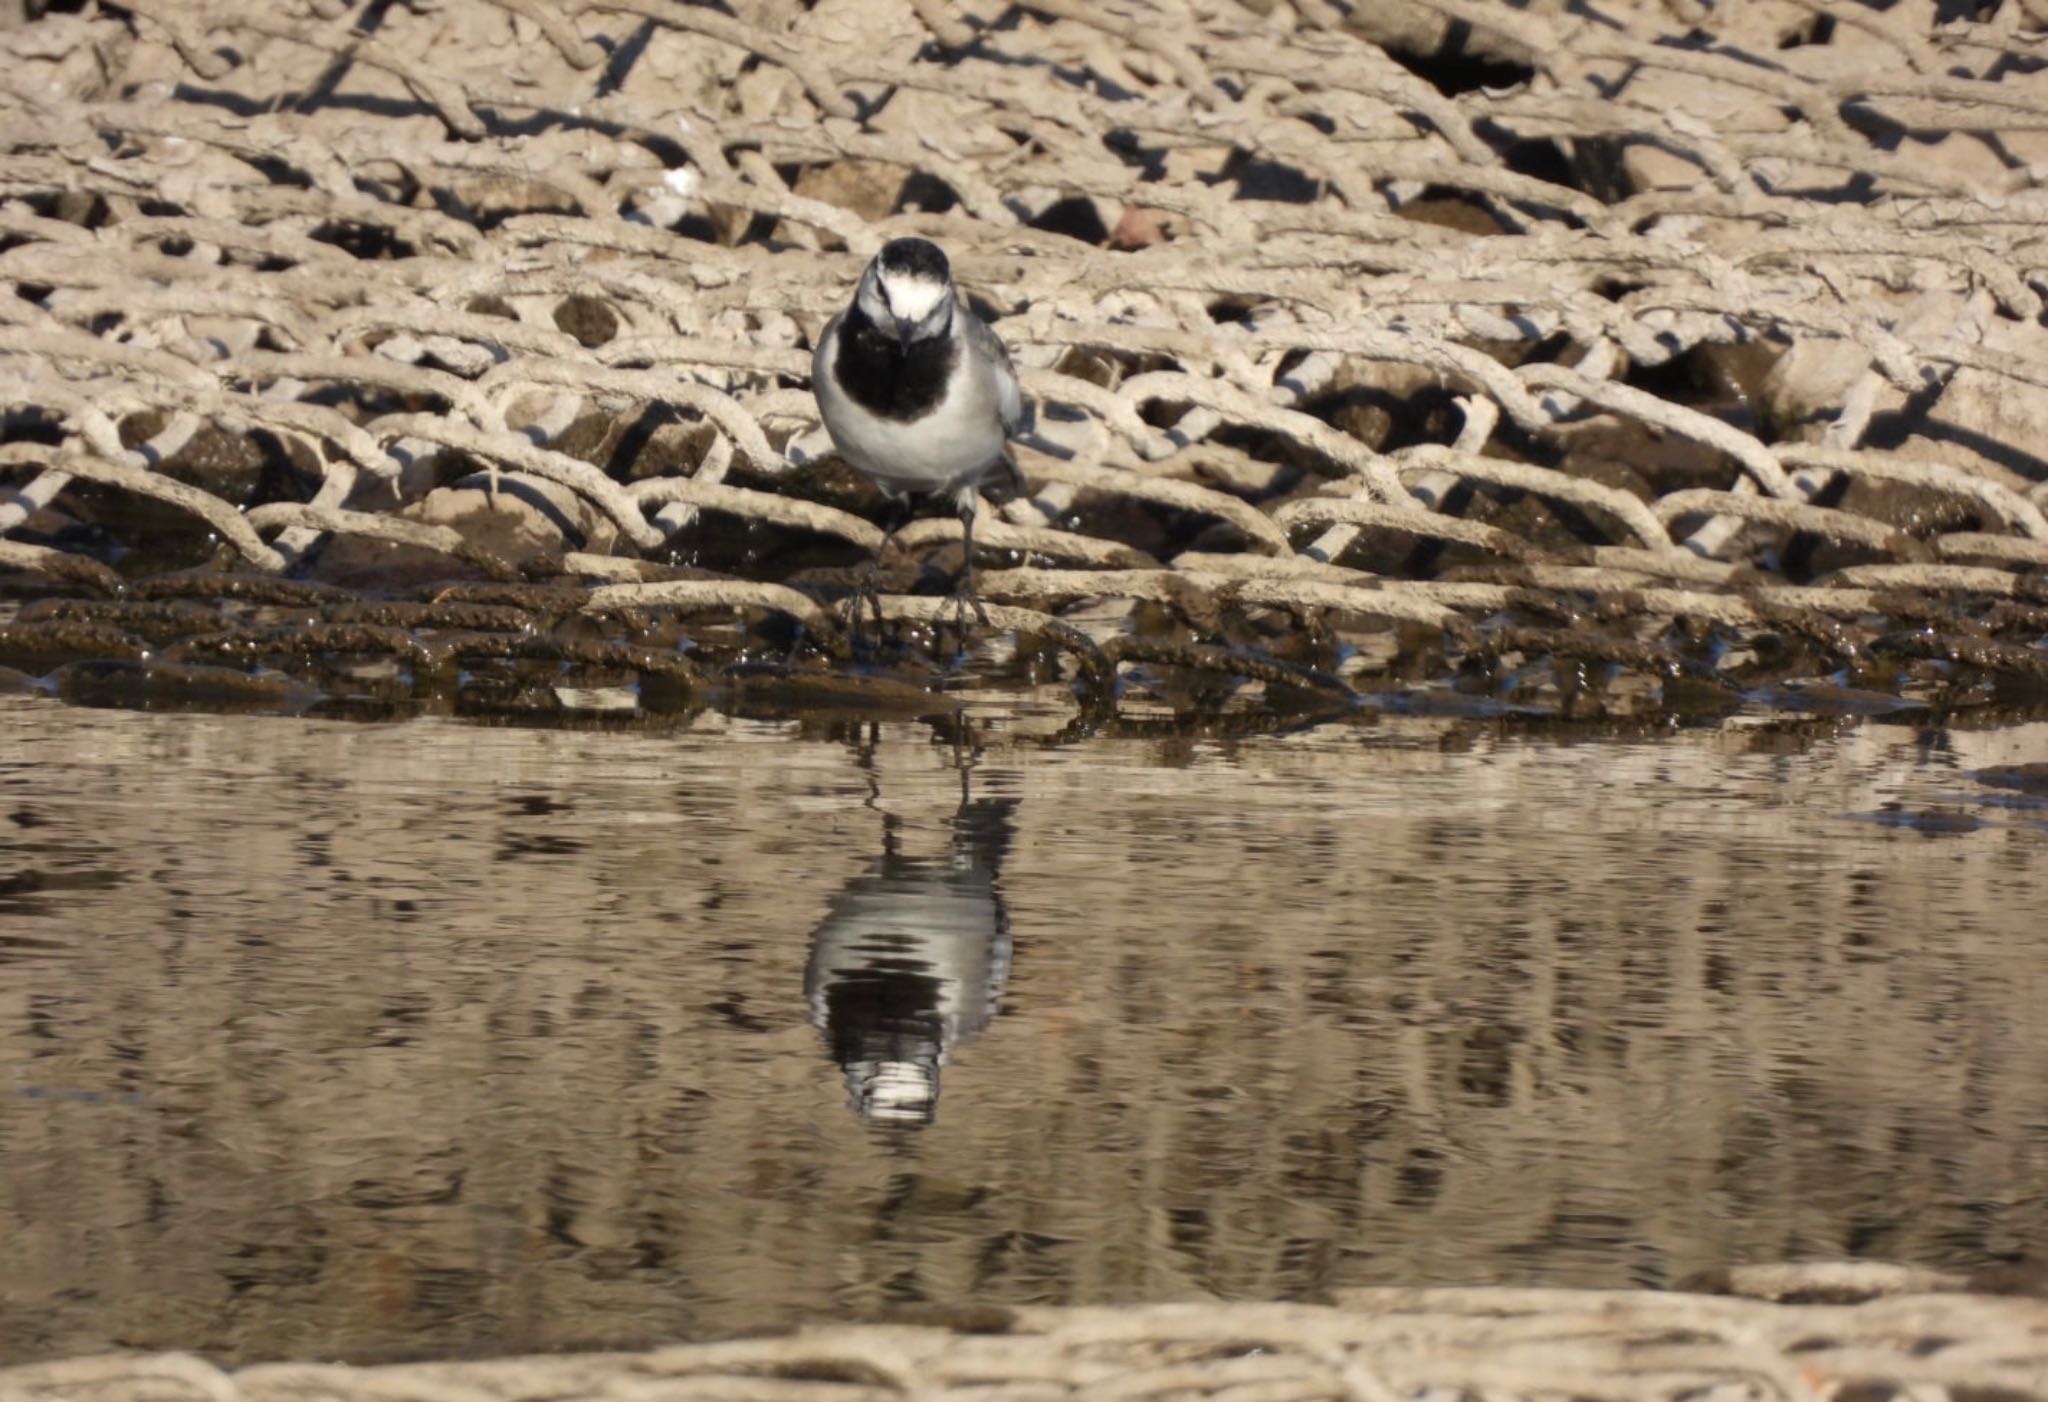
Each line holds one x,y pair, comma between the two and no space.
827,347
989,347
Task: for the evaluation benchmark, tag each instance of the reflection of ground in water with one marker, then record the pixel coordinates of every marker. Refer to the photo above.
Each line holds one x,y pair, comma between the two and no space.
350,1040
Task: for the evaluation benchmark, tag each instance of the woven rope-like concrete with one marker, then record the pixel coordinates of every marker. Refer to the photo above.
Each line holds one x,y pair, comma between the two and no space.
370,238
1375,1346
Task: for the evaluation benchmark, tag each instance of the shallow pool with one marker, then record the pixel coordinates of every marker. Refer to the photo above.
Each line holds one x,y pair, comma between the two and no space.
363,1040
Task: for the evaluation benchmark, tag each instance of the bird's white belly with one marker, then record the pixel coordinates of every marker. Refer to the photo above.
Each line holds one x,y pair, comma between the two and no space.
960,436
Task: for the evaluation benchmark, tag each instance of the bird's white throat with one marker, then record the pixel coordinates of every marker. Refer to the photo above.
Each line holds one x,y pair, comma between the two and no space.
911,298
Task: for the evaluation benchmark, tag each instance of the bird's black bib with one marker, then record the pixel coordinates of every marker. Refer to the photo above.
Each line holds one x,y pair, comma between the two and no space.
889,380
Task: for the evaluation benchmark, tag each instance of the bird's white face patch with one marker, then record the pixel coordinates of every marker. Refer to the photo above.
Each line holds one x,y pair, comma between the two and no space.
912,298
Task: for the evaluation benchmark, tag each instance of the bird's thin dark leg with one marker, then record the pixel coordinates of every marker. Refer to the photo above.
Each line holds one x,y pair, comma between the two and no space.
856,604
868,593
964,596
870,590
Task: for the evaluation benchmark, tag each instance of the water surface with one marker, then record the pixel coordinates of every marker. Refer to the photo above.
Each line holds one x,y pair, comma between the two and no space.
360,1040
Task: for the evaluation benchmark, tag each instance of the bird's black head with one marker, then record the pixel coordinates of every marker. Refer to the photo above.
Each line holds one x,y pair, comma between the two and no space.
916,258
906,294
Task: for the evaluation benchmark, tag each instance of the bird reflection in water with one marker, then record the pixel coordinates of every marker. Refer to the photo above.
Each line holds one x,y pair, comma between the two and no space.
910,960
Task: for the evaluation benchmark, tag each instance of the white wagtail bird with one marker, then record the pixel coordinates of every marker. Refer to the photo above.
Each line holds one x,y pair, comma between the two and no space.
918,393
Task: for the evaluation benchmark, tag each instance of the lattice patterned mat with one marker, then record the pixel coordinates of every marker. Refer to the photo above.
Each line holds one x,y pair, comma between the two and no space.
1606,358
1373,1346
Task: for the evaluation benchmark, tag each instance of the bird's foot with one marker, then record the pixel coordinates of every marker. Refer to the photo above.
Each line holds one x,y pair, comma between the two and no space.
962,600
865,599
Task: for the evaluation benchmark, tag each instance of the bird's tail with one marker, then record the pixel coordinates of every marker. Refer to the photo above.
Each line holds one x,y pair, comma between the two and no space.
1003,481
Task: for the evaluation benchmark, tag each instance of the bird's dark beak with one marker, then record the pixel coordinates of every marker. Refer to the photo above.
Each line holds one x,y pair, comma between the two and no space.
903,331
